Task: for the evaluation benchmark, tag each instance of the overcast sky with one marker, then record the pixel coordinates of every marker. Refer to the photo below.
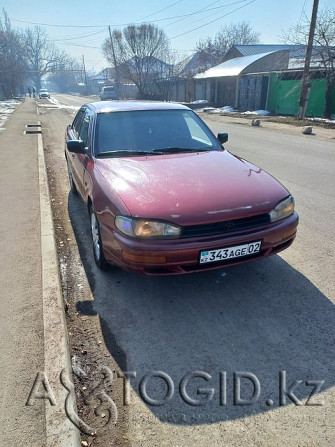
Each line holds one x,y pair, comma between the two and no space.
80,26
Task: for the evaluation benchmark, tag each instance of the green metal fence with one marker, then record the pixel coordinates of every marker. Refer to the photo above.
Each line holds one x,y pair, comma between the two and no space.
283,97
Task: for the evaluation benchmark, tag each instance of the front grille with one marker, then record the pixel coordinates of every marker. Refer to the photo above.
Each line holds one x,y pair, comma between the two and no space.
228,226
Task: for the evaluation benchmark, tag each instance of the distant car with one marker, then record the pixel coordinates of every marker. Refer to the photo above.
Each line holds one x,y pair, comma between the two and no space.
108,92
165,197
43,93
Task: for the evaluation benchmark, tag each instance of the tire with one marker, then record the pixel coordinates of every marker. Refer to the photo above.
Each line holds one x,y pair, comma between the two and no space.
73,187
96,241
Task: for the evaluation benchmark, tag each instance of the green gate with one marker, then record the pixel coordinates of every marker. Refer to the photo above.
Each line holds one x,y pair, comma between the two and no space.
283,96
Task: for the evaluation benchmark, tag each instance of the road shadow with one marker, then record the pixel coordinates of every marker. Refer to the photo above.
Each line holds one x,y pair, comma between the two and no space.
260,318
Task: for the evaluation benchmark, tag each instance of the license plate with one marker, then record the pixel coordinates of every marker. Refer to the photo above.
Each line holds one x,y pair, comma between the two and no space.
222,254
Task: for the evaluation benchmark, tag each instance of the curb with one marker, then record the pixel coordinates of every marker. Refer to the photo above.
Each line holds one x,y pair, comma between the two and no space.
60,431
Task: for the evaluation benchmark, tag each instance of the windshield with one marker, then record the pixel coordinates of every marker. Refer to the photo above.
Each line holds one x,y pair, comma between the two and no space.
152,131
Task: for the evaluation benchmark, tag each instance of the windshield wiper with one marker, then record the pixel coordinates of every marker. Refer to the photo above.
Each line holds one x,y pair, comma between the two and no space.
158,151
123,153
175,150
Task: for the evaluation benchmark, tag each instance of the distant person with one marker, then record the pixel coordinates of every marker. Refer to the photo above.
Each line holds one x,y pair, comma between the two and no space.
34,91
29,91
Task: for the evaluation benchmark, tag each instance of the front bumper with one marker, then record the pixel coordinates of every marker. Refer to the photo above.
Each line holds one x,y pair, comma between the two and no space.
180,256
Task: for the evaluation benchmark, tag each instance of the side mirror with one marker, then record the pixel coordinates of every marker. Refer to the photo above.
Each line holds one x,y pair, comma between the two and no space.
76,146
223,137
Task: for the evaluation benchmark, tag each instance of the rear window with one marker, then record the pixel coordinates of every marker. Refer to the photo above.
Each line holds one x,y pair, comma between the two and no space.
108,89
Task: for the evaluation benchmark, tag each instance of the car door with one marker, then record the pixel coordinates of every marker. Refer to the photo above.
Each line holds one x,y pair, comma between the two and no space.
82,130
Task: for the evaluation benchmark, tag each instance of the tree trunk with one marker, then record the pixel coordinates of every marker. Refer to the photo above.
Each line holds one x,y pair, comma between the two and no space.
37,80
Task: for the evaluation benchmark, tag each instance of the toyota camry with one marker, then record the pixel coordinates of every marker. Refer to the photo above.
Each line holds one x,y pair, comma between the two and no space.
165,197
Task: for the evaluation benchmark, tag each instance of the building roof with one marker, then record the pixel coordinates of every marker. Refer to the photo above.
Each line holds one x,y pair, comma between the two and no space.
297,53
103,75
248,50
191,65
232,67
152,63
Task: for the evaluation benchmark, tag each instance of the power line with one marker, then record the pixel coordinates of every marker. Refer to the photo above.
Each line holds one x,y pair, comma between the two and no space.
209,9
80,45
66,40
157,12
129,23
190,14
57,26
80,36
212,21
204,9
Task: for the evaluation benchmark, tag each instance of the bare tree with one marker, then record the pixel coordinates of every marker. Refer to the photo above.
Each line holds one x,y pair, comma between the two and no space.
164,79
41,56
12,71
138,53
323,49
213,50
67,76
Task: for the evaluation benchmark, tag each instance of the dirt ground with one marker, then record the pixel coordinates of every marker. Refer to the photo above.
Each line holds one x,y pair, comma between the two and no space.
289,125
87,350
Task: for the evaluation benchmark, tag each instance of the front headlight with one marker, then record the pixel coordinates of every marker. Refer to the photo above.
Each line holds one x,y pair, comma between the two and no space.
146,229
283,209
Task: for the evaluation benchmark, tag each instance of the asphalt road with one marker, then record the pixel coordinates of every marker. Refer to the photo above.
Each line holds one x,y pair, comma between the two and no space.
262,318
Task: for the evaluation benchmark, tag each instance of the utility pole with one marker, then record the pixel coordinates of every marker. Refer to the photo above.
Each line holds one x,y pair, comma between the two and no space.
85,76
117,78
305,84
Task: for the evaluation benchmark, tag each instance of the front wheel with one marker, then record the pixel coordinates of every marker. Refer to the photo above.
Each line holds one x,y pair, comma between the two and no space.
96,240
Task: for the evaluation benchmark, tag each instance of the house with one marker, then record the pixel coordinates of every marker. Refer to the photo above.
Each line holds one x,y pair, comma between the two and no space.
264,77
149,68
97,81
183,85
242,82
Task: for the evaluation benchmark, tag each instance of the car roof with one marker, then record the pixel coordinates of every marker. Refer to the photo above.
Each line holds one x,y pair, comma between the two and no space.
115,106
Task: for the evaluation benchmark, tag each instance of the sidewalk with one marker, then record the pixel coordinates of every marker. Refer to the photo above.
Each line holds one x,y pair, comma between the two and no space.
31,315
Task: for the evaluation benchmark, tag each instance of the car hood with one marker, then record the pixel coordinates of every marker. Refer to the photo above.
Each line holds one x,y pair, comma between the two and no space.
192,188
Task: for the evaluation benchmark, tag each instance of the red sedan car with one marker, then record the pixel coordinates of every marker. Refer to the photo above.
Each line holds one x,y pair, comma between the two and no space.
164,196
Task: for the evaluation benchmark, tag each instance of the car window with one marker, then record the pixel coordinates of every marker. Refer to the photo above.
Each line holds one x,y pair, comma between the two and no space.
152,129
84,129
76,125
